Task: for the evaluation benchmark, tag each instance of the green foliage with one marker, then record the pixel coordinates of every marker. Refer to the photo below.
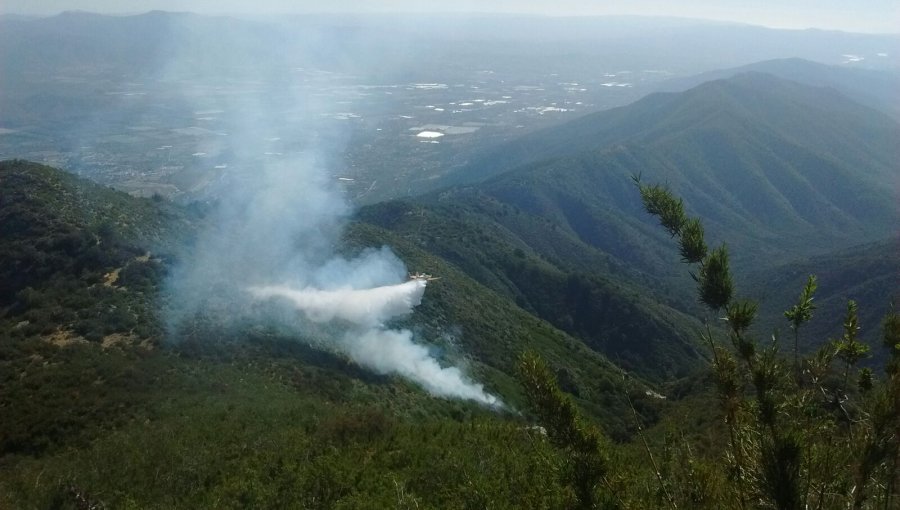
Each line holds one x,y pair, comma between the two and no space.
96,408
891,331
890,339
714,279
691,242
558,278
789,447
493,330
781,467
848,347
799,314
740,315
864,273
865,381
93,410
225,436
74,257
554,410
659,202
802,312
566,429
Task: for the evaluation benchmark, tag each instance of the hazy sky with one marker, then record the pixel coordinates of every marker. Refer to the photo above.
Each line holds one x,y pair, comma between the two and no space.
850,15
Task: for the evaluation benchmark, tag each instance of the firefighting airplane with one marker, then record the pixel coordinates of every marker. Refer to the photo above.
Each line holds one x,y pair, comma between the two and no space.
423,276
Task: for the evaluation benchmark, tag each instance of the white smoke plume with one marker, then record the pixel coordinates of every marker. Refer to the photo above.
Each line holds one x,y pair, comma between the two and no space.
391,351
282,226
384,351
271,237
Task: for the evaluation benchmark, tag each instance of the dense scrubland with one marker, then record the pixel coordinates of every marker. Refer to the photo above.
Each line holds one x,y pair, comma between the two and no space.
101,408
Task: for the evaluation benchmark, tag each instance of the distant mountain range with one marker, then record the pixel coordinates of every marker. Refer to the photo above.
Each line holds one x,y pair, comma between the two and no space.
878,89
777,170
95,93
691,45
768,161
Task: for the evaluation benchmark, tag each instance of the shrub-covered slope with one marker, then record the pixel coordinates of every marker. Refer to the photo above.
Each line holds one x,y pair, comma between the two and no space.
779,169
868,274
95,403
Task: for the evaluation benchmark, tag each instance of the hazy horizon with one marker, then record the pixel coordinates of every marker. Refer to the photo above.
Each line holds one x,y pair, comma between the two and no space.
868,16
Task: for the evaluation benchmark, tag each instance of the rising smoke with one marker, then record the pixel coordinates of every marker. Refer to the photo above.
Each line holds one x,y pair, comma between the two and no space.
270,244
370,344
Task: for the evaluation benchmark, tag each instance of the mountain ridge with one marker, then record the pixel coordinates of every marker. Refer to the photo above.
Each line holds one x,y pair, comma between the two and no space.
639,121
579,217
871,87
92,233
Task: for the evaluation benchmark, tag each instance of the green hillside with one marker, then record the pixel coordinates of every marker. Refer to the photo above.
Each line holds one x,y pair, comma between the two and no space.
868,274
876,89
816,119
71,248
95,399
780,169
545,268
776,169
